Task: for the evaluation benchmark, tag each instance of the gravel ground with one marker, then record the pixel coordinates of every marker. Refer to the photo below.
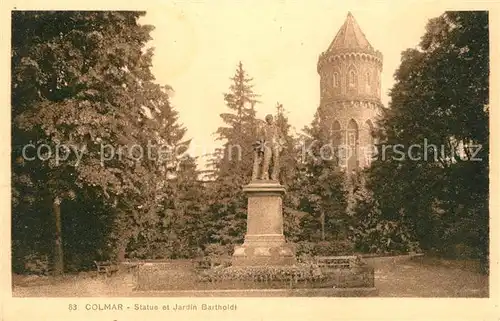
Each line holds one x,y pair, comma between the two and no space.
394,277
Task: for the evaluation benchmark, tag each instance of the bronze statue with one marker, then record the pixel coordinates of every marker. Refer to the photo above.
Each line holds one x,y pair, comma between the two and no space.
267,148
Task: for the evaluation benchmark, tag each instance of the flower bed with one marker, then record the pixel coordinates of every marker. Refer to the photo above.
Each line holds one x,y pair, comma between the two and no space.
262,273
297,276
302,275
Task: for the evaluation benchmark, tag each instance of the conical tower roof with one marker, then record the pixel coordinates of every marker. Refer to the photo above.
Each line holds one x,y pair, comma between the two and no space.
350,38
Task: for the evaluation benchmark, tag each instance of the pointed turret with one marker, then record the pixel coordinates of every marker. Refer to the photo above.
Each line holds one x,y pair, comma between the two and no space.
350,37
349,40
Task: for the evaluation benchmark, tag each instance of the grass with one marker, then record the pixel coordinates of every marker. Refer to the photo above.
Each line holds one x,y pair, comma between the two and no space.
428,277
401,276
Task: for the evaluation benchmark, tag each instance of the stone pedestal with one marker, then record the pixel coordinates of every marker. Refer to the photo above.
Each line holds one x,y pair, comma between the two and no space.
264,241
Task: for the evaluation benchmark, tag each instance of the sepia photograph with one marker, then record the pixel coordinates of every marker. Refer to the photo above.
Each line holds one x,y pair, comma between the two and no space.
203,149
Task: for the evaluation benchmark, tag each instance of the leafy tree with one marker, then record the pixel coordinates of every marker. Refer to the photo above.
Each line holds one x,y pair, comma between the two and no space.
82,80
439,103
320,188
177,228
370,232
144,222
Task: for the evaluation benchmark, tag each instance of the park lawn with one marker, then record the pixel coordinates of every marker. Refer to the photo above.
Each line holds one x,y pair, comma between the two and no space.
428,277
401,276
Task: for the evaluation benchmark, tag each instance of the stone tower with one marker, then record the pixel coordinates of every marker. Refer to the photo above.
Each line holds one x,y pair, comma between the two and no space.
350,94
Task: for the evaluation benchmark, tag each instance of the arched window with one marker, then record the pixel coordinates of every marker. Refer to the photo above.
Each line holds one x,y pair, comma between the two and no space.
338,144
378,84
370,149
336,79
352,133
352,144
368,81
369,131
336,134
352,78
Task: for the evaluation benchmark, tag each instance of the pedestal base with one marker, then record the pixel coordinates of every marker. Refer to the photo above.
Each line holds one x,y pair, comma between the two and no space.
264,250
264,241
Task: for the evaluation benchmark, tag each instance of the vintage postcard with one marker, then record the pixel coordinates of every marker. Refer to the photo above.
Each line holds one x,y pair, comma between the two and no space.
250,160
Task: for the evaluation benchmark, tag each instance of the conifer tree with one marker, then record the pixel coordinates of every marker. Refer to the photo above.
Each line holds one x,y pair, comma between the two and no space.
289,162
233,168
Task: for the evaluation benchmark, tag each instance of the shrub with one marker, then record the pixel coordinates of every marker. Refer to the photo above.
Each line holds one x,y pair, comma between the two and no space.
304,249
372,232
383,237
218,250
36,264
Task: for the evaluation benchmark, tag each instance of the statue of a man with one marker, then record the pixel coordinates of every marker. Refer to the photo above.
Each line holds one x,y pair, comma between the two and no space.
266,149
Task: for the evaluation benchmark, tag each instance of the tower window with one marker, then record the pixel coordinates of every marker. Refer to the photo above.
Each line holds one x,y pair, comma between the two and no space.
378,84
368,81
352,78
337,134
351,139
352,145
336,80
370,150
322,84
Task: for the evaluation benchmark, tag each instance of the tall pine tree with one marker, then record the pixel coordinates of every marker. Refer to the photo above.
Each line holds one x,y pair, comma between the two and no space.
289,165
234,166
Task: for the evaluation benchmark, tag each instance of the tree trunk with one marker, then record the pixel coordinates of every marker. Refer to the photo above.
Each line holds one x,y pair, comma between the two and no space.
322,226
122,230
117,246
121,251
58,250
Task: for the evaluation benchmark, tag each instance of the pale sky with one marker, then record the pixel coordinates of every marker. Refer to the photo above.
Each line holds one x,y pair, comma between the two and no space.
198,46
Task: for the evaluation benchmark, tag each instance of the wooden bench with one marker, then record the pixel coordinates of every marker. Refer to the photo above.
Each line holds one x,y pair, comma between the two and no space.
335,262
132,266
106,267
